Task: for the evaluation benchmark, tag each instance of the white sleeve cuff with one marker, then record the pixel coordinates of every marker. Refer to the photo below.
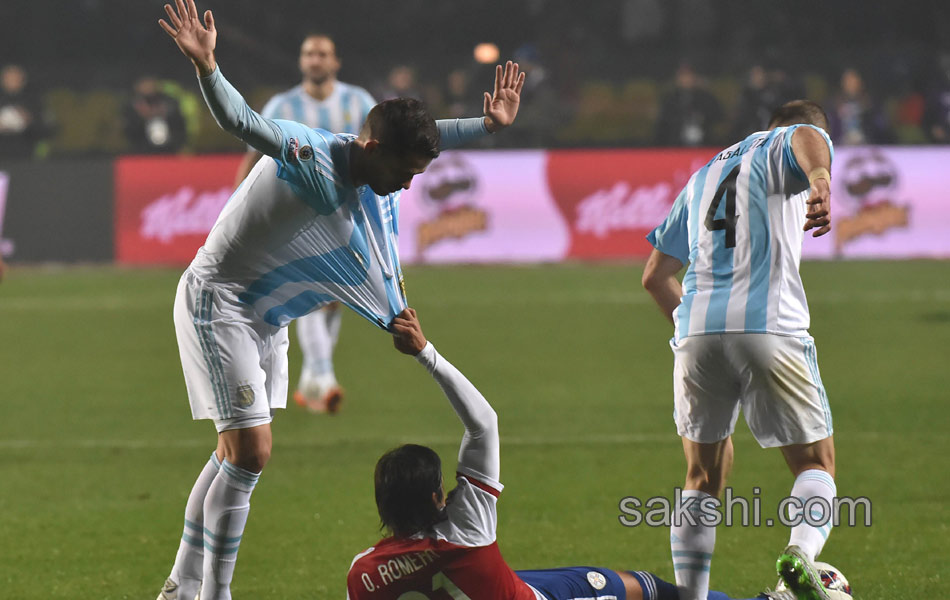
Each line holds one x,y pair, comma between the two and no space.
427,357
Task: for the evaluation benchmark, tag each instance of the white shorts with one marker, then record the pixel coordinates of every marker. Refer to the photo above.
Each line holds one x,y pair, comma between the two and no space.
235,366
773,378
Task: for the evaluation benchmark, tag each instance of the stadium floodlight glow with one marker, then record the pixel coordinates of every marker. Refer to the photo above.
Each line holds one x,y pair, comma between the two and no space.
486,53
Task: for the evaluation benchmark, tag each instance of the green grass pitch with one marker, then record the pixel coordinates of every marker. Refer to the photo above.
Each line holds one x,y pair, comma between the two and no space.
98,451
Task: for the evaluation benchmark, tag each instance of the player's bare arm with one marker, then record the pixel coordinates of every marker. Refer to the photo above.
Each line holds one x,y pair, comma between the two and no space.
501,106
811,152
195,39
407,333
659,280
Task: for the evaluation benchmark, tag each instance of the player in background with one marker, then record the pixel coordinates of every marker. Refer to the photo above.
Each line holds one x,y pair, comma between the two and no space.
443,545
272,258
321,101
741,330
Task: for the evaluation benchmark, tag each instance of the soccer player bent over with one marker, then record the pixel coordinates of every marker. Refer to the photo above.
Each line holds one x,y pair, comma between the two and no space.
321,101
273,257
741,330
443,545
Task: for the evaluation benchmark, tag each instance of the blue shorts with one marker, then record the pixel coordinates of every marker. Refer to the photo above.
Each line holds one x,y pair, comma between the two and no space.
570,583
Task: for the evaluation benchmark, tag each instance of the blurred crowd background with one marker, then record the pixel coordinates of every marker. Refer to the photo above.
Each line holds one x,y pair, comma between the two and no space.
98,77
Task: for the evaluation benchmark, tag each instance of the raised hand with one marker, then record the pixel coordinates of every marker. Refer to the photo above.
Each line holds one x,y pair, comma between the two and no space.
819,208
194,39
502,106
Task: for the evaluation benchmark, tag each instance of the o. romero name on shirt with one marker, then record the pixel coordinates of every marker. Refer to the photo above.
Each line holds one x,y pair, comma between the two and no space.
398,567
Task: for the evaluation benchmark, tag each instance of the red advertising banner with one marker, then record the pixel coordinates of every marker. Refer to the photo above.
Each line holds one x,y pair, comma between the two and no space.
547,206
611,199
165,206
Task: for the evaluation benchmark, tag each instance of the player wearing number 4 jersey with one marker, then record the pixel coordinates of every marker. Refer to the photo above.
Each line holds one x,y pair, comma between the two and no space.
741,331
443,546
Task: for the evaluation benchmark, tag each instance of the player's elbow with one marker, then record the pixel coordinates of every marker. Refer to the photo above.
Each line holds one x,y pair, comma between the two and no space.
659,271
650,280
487,423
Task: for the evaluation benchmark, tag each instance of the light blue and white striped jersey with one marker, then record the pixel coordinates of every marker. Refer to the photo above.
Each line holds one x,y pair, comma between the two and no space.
284,257
738,223
285,254
343,111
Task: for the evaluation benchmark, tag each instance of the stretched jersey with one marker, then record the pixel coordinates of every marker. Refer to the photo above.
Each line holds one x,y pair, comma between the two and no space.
343,111
738,223
285,254
456,558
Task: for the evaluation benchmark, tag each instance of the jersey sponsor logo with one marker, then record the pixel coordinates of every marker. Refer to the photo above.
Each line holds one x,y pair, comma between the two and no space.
871,190
450,195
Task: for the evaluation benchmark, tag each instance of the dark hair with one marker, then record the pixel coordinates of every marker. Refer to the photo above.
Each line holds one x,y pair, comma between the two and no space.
799,112
318,34
405,479
403,126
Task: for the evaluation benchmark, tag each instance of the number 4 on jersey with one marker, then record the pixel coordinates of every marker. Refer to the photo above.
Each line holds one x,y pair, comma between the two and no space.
728,189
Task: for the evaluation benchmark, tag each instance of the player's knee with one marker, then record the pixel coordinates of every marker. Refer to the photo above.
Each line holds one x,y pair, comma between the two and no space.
252,457
710,481
817,455
631,586
258,458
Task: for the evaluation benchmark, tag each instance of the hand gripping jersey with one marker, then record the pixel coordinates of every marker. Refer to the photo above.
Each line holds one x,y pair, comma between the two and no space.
297,233
738,223
457,556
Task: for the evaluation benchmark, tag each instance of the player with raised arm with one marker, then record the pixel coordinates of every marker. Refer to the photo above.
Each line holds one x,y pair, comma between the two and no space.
271,258
320,101
741,331
443,545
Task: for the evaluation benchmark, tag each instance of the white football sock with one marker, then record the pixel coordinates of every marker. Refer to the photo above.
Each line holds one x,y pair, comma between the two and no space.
334,317
316,343
692,548
226,508
813,483
188,562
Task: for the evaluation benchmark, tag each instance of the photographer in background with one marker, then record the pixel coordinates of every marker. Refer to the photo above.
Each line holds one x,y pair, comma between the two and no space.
21,116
